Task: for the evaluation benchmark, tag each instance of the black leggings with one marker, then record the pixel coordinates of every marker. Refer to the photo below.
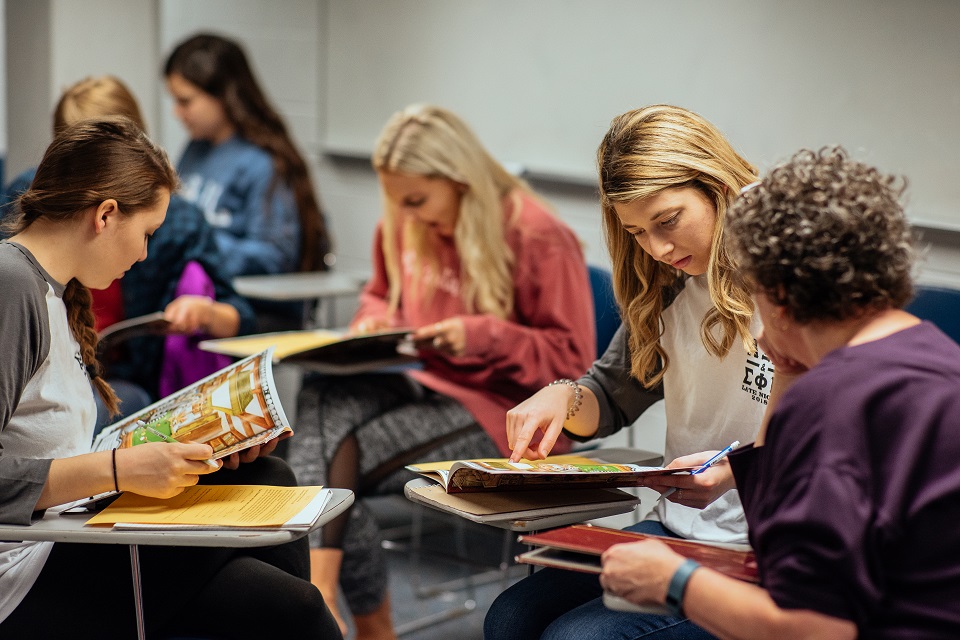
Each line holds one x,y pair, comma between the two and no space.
86,590
358,432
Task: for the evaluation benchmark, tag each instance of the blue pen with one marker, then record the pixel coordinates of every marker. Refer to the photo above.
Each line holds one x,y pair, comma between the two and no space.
715,459
706,465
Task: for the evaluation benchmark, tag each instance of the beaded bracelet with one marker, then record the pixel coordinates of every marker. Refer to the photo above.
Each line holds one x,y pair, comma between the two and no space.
577,398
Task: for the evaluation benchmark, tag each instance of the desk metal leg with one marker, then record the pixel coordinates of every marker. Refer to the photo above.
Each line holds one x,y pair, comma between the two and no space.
137,591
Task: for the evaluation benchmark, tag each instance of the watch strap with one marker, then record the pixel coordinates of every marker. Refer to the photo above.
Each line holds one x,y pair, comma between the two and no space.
678,584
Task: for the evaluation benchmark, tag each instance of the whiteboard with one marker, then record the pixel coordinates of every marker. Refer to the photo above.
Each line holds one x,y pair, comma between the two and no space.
539,80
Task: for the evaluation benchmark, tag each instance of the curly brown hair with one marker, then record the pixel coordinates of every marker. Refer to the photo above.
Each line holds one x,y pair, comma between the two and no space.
824,236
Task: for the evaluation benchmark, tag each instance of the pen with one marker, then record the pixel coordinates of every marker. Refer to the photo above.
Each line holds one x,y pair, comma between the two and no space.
167,438
706,465
715,459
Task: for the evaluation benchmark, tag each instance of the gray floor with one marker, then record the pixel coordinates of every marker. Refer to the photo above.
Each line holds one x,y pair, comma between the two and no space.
442,536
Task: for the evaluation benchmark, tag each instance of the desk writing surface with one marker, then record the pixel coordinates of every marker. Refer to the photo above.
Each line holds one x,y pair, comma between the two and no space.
70,528
305,285
534,520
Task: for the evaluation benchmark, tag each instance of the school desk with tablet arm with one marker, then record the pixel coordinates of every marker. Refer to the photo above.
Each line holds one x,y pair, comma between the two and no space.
73,527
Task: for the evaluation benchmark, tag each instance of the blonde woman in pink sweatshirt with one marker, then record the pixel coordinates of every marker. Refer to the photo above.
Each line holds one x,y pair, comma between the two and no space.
495,286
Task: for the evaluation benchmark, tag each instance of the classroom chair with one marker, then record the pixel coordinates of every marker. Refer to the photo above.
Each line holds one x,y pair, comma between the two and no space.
939,305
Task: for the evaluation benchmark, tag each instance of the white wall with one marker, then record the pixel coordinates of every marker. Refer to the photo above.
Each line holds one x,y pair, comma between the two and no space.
540,79
306,54
51,44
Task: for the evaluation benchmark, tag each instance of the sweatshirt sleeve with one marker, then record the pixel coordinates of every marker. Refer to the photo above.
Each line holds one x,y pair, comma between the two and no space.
620,396
24,323
201,247
552,335
373,298
270,240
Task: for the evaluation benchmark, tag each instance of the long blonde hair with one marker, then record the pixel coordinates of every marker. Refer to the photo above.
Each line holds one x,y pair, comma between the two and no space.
429,141
645,152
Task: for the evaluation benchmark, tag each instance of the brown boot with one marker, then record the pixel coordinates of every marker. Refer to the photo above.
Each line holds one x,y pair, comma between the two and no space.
325,575
376,625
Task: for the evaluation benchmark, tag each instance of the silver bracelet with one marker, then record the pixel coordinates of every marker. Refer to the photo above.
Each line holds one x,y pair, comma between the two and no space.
577,398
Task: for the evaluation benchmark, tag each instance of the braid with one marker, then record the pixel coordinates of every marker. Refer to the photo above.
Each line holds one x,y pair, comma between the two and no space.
78,301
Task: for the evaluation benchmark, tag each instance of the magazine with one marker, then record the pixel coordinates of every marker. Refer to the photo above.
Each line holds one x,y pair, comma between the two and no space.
231,410
553,472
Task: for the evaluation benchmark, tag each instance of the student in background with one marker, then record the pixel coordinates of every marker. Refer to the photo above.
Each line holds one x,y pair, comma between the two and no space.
135,368
100,191
493,286
667,177
242,168
851,489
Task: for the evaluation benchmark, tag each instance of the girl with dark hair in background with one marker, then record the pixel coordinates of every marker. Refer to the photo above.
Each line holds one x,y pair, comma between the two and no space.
242,168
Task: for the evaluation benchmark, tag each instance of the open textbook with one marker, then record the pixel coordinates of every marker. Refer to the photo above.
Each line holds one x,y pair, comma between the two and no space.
152,324
554,472
219,506
580,546
231,410
335,349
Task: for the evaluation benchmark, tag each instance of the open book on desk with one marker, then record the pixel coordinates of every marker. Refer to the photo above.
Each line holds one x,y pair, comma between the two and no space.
523,510
219,506
553,473
231,410
325,350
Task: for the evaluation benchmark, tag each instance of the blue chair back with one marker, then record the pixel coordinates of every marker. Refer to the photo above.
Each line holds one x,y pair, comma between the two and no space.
939,305
606,314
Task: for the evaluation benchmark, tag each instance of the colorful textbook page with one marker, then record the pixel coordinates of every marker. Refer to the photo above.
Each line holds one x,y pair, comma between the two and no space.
580,546
231,410
554,472
220,506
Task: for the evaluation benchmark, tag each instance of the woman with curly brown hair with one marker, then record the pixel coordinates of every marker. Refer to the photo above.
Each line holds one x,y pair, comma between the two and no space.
851,487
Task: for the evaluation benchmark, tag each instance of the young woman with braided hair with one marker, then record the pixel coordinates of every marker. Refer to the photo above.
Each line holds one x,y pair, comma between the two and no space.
101,190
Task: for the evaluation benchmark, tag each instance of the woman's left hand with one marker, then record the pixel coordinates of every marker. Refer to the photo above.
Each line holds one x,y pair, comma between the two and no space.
639,571
698,490
189,314
447,336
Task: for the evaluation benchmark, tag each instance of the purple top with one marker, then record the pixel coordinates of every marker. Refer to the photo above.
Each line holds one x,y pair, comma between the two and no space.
854,501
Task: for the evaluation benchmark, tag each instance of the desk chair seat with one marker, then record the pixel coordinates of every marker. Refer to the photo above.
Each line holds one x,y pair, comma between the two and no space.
939,305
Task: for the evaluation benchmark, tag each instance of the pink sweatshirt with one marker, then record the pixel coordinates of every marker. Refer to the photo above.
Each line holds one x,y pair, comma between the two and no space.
548,335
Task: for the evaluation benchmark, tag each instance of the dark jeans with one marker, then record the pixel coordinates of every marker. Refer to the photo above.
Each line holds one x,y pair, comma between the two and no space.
553,604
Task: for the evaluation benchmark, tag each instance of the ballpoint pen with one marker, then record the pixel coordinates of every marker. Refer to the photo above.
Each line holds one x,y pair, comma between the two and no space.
706,465
715,459
167,438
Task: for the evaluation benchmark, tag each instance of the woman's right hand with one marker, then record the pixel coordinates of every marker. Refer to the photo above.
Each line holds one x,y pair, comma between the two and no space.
544,411
370,325
162,469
